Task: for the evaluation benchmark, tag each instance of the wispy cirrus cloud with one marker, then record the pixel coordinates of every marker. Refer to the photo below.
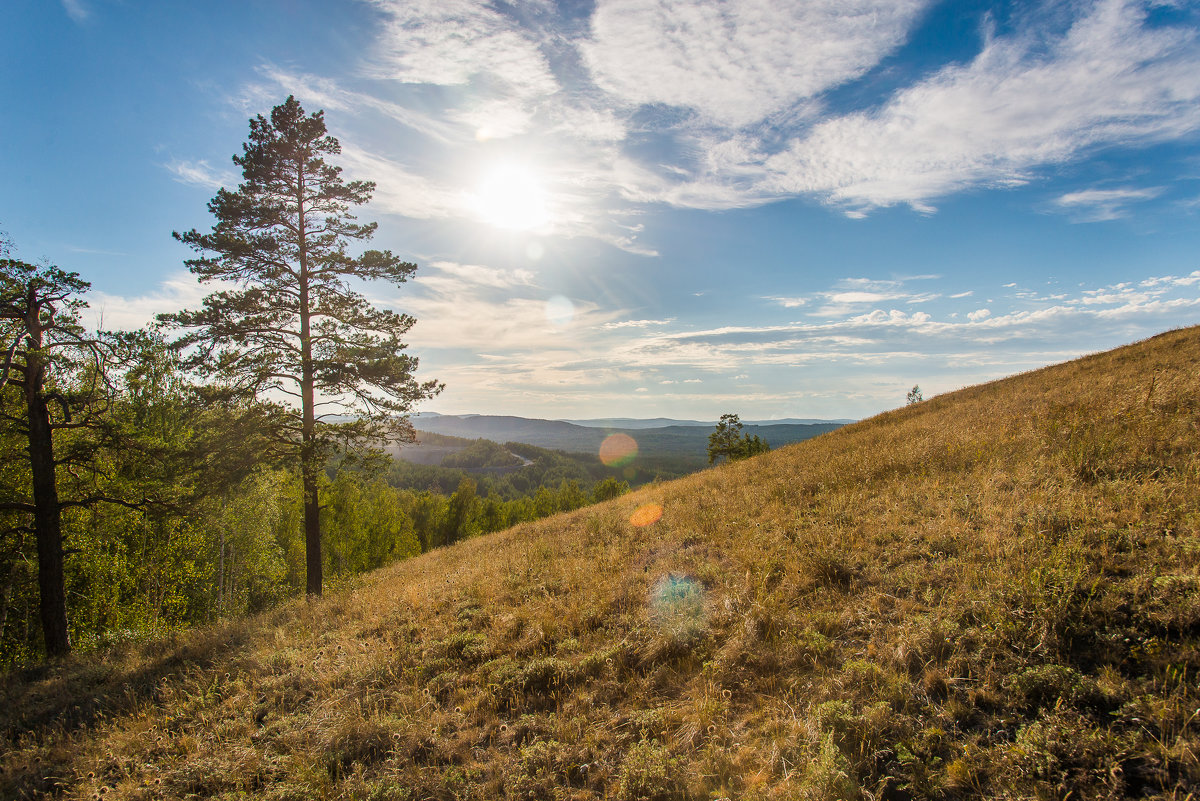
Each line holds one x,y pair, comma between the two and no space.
855,295
1029,101
201,173
788,303
329,94
638,324
898,344
402,190
491,310
1098,205
76,10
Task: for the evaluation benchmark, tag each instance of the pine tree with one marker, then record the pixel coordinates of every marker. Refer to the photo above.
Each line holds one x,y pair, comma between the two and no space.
290,326
728,440
53,382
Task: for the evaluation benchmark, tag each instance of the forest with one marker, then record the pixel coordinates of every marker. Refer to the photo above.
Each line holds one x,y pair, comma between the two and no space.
223,458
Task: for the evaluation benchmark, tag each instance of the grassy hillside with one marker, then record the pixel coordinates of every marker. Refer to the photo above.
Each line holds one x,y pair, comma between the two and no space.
994,593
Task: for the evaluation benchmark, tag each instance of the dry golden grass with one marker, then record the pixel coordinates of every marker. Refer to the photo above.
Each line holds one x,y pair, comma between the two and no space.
991,594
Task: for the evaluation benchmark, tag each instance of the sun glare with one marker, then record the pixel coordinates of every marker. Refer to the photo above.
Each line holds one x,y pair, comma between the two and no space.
511,197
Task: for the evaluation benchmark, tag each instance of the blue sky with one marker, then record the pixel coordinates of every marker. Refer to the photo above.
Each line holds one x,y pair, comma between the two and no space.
653,208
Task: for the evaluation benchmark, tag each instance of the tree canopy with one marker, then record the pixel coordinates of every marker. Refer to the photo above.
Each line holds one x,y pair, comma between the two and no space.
728,440
51,382
287,326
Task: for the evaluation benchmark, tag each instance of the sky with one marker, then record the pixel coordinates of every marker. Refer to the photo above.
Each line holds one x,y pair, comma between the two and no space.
635,208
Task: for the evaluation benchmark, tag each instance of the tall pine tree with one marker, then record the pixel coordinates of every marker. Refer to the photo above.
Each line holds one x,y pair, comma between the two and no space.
289,327
52,383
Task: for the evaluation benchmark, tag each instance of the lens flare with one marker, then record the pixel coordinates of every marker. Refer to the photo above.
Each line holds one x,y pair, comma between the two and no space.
646,515
677,603
560,311
618,450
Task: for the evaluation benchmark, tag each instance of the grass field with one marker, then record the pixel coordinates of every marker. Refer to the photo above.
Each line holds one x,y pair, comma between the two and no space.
994,593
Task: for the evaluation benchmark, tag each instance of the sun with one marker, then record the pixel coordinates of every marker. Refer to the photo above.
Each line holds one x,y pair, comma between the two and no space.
511,197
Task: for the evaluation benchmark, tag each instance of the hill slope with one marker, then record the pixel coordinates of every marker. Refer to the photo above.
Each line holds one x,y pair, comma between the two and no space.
994,593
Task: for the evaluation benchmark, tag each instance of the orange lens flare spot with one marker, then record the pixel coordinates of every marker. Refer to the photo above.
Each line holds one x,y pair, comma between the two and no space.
646,514
618,450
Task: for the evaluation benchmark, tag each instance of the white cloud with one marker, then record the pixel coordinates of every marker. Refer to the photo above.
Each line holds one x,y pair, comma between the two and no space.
851,295
1021,104
737,61
788,303
116,313
496,311
1097,205
318,92
76,10
481,276
201,173
398,190
460,42
590,124
724,104
990,345
638,324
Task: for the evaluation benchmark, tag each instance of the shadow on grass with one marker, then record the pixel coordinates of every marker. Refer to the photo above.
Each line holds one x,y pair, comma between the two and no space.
43,707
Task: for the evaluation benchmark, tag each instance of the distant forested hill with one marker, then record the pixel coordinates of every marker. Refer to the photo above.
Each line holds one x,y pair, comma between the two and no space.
686,441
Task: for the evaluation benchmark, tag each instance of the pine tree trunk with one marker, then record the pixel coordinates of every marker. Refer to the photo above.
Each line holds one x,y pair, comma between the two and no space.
47,516
309,467
221,575
8,587
312,529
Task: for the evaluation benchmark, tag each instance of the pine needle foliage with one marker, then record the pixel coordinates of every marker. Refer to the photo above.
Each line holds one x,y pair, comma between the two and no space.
287,321
52,391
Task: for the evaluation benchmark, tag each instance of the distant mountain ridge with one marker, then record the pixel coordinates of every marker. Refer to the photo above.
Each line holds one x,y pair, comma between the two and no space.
646,422
663,422
687,439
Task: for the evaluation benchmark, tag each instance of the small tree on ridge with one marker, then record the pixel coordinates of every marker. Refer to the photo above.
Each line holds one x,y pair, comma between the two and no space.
728,440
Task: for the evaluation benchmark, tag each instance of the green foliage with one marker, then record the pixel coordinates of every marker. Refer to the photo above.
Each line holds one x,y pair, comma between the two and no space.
729,441
293,326
608,489
482,453
460,513
648,773
365,525
52,375
914,395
